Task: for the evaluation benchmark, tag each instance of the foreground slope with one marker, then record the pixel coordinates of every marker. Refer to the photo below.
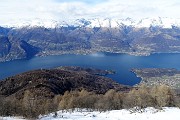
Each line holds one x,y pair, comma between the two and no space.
146,114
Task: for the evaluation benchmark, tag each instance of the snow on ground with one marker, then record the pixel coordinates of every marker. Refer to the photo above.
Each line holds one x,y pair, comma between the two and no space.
146,114
12,118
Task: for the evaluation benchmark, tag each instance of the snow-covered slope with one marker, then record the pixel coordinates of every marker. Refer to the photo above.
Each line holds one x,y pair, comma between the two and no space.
147,114
97,22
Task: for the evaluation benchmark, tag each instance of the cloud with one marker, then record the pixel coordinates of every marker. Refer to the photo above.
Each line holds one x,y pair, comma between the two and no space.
72,9
14,9
84,1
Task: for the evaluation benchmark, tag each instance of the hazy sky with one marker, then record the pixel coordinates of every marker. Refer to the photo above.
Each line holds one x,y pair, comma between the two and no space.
70,9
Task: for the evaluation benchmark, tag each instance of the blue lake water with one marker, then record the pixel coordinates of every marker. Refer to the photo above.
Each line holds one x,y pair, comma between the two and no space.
121,63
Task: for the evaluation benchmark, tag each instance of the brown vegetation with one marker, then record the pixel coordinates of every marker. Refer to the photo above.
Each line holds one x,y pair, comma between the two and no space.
30,106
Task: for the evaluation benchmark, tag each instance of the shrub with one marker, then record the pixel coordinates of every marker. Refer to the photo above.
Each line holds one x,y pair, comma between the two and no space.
163,96
140,97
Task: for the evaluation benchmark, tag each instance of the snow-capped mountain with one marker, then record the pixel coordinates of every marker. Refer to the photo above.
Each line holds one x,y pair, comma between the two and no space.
145,22
161,22
97,22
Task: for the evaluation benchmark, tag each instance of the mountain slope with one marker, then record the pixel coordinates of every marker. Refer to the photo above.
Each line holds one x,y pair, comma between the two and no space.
5,46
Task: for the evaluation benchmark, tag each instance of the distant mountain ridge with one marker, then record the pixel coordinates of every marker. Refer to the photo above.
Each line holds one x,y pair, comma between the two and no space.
163,22
81,36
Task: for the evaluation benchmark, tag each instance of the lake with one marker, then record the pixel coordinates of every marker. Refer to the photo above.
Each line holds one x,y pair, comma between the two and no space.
121,63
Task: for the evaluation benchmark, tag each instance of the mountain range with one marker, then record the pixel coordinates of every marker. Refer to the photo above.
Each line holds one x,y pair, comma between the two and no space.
96,22
38,37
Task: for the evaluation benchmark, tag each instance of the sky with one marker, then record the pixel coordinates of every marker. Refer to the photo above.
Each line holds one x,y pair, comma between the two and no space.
73,9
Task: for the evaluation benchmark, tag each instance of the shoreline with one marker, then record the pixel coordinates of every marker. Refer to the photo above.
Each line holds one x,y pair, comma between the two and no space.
89,53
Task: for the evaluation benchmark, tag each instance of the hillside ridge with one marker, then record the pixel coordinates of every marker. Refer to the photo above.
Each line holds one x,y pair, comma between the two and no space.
51,82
